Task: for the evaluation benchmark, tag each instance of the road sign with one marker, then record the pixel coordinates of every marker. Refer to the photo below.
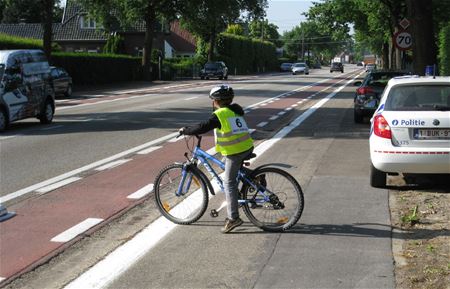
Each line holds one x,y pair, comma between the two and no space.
402,40
404,23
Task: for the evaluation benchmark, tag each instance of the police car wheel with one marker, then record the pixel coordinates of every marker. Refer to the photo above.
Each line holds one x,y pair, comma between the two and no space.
377,178
47,113
3,120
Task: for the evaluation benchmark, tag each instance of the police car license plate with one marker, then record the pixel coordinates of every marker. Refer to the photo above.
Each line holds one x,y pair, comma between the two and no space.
432,133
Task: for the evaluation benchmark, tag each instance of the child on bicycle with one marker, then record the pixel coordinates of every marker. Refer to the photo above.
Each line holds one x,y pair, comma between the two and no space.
233,141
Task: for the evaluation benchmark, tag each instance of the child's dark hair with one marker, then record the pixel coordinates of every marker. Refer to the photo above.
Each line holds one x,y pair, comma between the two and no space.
224,102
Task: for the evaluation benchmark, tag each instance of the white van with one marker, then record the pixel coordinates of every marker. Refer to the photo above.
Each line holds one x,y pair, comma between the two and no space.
25,87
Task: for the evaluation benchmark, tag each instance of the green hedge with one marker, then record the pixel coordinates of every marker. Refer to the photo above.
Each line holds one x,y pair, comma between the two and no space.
444,50
89,68
11,42
246,55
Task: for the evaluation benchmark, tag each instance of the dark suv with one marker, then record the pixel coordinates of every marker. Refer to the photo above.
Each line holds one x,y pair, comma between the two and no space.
337,66
216,69
369,92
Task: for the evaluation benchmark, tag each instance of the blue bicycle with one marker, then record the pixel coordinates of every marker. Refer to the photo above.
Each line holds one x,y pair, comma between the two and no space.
271,198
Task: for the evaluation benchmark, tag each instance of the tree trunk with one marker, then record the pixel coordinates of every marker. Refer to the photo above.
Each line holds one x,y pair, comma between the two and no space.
423,47
212,44
150,19
47,22
385,56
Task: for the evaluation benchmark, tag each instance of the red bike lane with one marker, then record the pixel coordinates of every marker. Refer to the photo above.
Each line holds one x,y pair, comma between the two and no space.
34,235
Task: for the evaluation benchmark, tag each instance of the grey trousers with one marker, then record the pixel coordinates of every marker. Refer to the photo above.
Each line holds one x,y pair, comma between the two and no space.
232,165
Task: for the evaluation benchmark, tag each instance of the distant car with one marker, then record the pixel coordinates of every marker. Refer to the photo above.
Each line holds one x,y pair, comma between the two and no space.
410,131
337,66
359,64
300,68
62,82
370,67
369,92
216,69
286,66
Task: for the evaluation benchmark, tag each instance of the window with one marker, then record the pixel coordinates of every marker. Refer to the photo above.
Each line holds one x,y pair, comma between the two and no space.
87,22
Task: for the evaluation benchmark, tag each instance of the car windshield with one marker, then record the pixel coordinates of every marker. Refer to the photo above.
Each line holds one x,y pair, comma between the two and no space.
211,65
300,65
2,70
419,97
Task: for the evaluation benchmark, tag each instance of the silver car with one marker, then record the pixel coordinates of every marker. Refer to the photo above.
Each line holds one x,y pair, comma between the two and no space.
300,68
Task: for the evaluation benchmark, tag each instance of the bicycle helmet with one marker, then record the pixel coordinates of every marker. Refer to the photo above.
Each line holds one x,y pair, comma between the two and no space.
222,92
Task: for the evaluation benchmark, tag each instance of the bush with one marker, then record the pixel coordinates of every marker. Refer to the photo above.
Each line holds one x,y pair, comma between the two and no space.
444,50
12,42
88,68
246,55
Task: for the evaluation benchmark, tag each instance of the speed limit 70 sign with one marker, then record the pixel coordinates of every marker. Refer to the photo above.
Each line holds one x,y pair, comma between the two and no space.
402,40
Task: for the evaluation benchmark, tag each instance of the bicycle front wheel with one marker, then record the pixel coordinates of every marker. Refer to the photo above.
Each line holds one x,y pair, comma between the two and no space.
276,204
180,194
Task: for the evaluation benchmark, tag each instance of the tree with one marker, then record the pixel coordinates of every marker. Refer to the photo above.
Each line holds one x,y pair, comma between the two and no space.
117,14
27,11
47,23
235,29
264,30
206,19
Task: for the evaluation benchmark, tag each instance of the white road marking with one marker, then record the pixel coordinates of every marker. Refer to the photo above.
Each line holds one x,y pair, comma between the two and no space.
10,136
251,130
294,105
2,278
263,104
149,150
141,192
191,98
112,165
76,230
300,101
118,261
271,101
281,113
261,124
84,168
57,185
274,117
287,109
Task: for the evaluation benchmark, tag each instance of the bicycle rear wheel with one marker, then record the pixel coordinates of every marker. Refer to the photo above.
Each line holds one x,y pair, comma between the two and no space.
187,206
278,202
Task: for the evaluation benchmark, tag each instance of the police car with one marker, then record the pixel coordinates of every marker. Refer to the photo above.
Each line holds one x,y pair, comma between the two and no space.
410,130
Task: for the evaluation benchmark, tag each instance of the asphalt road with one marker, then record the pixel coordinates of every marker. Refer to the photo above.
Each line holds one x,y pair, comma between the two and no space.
343,239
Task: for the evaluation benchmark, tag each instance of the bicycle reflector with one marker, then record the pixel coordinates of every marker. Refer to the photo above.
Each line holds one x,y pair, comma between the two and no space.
282,220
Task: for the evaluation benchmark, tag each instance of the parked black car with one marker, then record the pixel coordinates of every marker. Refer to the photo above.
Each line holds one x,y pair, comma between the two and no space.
337,66
369,92
216,69
62,82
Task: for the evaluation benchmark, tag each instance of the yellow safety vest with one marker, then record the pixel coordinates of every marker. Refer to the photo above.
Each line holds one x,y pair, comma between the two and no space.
233,137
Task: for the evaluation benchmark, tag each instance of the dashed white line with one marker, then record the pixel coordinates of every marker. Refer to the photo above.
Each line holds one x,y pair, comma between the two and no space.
149,150
281,113
76,230
57,185
271,101
263,104
294,105
112,165
141,192
191,98
261,124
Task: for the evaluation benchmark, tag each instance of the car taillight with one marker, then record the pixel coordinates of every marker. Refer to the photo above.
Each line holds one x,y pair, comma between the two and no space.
381,127
364,90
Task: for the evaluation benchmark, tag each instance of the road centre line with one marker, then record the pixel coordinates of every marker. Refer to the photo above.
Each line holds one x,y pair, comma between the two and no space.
141,192
60,184
122,258
76,230
84,168
149,150
112,164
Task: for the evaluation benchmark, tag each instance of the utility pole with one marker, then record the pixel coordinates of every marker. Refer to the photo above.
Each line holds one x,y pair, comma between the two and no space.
303,44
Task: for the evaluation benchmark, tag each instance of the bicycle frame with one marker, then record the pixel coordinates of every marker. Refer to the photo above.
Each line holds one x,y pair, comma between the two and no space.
203,157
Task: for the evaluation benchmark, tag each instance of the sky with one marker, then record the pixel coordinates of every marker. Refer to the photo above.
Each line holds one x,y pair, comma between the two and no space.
287,14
